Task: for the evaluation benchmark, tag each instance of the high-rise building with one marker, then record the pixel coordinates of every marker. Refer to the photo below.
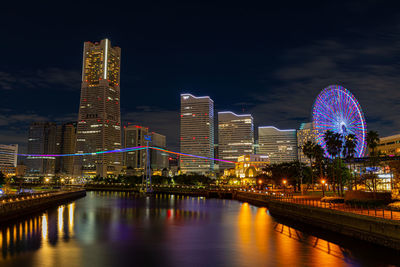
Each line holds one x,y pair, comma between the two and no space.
389,145
235,137
65,144
8,159
305,134
133,137
158,159
8,155
279,145
41,141
197,133
99,123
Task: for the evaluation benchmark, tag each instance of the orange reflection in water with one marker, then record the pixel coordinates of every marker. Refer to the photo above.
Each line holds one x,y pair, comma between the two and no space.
261,226
245,234
71,210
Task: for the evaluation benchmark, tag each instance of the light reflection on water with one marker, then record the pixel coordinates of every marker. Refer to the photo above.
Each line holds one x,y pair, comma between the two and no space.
118,229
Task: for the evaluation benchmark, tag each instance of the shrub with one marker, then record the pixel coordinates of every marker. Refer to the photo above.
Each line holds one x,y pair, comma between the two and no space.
332,199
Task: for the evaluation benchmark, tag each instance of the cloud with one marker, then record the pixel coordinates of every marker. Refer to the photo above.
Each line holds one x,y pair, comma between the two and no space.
367,71
41,78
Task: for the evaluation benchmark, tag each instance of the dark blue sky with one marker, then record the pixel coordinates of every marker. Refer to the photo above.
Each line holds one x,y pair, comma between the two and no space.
270,60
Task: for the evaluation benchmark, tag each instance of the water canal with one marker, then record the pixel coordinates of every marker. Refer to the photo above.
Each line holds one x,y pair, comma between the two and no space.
122,229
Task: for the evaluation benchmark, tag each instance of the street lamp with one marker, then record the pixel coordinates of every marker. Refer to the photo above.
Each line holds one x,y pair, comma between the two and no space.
284,185
323,187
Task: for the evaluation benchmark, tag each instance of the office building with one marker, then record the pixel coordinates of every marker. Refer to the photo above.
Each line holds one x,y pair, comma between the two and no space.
305,134
158,159
235,137
65,144
8,159
389,145
134,135
8,155
41,141
279,145
197,134
99,123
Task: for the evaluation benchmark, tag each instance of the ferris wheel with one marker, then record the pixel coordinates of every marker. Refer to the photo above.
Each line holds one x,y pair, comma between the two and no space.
337,109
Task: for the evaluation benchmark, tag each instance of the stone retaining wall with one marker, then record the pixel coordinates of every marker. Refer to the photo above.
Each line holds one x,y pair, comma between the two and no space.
31,204
372,229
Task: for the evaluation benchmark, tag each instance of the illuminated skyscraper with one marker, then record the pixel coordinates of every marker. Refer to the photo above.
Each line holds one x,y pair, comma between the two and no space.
305,134
279,145
134,136
197,133
8,155
158,159
65,144
235,137
41,140
99,123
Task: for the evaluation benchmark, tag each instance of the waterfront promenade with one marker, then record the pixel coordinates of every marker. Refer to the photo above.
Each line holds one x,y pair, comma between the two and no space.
16,206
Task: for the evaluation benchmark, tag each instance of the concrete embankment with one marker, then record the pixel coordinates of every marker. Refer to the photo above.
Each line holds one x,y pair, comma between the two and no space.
22,206
379,231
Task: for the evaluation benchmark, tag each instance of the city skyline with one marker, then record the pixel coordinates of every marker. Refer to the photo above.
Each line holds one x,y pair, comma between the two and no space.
275,83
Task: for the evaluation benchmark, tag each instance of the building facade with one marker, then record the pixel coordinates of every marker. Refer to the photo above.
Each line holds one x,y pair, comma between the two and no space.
65,144
197,134
8,155
41,140
279,145
304,134
235,137
99,122
133,137
389,145
158,159
8,159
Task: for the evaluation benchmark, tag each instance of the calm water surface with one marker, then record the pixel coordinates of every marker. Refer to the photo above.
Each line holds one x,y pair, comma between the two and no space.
120,229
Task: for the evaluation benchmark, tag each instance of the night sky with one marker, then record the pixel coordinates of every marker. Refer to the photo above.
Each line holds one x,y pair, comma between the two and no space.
270,60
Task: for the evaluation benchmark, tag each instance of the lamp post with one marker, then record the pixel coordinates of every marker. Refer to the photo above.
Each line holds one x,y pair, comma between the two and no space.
323,187
284,185
301,170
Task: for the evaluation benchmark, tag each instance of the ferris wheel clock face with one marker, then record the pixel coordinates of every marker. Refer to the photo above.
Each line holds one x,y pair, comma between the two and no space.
337,109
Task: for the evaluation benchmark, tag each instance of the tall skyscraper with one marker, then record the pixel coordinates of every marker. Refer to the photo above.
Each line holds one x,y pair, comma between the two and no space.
41,140
235,137
99,122
305,134
134,136
197,133
279,145
8,155
65,144
158,159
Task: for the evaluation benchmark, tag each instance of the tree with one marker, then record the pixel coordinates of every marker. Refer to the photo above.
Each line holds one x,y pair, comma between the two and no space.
308,151
334,146
372,143
318,152
2,178
349,151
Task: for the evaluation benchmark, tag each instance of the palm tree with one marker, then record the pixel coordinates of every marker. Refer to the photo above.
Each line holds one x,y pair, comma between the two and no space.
349,151
338,145
318,153
330,148
308,149
372,143
334,146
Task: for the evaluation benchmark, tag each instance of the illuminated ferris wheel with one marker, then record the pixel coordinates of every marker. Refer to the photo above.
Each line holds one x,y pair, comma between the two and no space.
337,109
